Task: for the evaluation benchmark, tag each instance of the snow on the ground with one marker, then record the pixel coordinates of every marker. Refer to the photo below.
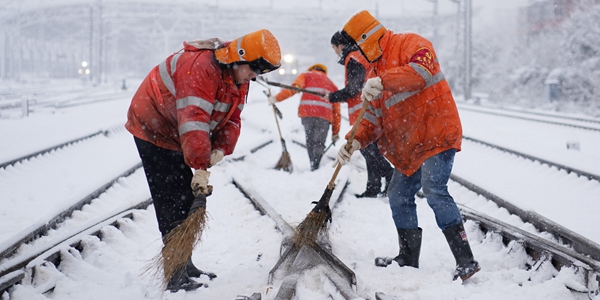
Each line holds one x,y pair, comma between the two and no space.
240,245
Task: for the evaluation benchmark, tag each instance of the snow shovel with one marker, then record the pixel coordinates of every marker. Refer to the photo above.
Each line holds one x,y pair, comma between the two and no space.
285,162
308,230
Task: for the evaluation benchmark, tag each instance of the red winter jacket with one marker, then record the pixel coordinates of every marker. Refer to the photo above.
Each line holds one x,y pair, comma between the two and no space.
312,105
189,103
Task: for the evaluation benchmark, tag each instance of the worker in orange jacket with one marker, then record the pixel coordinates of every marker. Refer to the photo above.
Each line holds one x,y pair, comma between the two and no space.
356,70
186,115
316,113
414,116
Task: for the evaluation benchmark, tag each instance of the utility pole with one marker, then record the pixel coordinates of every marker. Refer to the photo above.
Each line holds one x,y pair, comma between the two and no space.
434,21
91,64
100,44
468,45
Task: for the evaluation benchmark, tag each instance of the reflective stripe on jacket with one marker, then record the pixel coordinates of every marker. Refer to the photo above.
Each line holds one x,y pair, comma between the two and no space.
188,103
416,116
355,103
312,105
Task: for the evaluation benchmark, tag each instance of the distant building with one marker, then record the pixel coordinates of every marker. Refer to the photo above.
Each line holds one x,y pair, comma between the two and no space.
547,15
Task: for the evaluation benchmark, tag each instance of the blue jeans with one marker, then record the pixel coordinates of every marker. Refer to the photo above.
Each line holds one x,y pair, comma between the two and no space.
433,177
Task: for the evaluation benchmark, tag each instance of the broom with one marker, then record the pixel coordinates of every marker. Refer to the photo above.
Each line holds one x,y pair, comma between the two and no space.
308,230
285,161
290,87
180,242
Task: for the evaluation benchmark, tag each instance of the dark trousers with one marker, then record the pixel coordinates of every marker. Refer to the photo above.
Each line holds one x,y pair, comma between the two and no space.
169,180
377,168
316,132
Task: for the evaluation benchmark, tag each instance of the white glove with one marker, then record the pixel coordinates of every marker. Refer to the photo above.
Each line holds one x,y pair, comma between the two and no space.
272,100
335,138
216,156
200,183
344,154
372,89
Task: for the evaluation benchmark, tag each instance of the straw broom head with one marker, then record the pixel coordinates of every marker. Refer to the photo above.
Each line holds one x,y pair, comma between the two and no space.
308,230
285,162
178,246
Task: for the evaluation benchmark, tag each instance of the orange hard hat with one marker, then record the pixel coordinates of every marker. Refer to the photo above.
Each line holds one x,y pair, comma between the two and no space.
320,67
366,31
259,49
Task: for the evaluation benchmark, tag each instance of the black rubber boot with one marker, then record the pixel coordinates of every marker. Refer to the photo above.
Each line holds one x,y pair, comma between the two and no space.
409,241
388,179
192,271
371,192
466,265
181,281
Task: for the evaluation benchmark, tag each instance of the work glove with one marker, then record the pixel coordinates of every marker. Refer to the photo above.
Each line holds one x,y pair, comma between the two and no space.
200,183
216,155
372,89
344,154
335,138
272,100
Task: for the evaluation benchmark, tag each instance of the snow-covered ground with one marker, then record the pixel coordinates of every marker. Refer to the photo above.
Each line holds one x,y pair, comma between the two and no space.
241,246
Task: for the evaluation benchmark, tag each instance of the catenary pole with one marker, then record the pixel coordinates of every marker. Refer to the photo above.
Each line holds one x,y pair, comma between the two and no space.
468,44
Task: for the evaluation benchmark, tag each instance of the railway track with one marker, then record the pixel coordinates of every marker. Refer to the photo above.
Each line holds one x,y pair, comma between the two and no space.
547,244
54,98
559,166
555,119
566,249
52,148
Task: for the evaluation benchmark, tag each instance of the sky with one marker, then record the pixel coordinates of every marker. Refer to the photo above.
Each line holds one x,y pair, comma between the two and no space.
241,246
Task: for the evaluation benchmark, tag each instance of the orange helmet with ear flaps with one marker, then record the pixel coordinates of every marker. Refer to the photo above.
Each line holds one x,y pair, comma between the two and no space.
320,67
366,31
259,49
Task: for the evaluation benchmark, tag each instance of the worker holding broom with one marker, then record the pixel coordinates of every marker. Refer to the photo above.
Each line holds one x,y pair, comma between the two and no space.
186,115
414,116
316,114
356,69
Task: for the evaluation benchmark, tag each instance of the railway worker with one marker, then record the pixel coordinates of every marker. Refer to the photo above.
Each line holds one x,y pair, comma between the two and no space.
186,115
356,70
414,116
316,114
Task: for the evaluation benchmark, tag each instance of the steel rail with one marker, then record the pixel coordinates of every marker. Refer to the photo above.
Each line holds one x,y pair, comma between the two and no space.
294,261
533,158
28,156
30,235
12,272
568,237
536,113
529,119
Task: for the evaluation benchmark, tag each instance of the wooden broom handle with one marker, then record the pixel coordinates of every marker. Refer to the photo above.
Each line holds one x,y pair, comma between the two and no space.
275,112
331,184
277,121
293,88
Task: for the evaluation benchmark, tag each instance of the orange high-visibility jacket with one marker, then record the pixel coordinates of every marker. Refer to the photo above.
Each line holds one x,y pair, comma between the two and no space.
189,103
312,105
416,116
355,103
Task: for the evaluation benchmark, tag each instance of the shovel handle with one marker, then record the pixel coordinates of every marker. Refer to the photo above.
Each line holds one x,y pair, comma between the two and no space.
331,184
